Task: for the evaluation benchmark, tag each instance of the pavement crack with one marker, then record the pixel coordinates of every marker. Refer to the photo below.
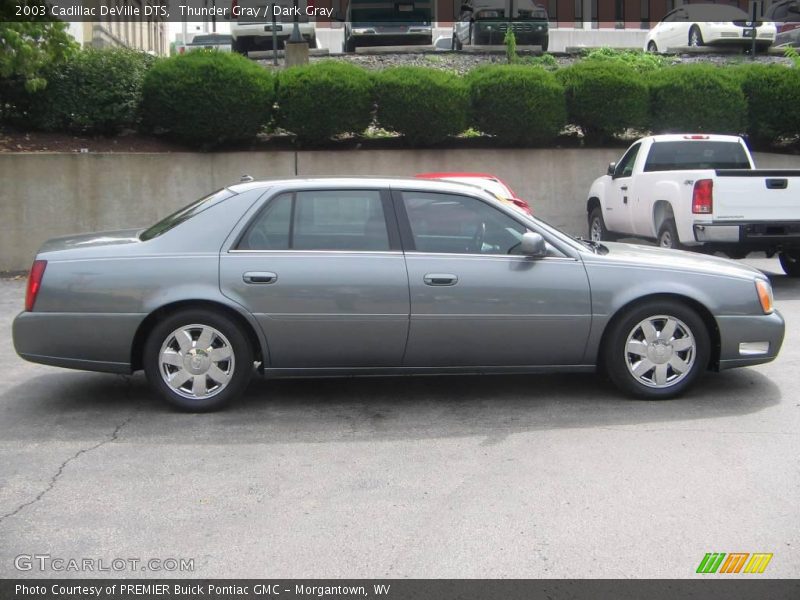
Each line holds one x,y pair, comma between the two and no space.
112,437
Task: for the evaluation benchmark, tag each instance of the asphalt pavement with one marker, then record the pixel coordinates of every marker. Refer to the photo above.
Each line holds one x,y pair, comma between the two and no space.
495,476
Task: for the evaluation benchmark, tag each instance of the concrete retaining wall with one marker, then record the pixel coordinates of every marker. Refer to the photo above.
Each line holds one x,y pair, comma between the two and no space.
47,195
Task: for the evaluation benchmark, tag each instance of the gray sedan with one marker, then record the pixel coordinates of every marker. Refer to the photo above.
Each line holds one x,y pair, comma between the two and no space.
382,276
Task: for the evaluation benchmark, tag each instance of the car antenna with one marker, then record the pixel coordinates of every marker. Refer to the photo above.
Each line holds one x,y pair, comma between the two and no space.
245,179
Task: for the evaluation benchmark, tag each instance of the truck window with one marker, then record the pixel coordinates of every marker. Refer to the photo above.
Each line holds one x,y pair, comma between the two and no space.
689,155
625,166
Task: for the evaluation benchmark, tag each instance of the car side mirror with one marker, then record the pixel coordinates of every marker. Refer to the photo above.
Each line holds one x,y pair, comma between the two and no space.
612,167
532,245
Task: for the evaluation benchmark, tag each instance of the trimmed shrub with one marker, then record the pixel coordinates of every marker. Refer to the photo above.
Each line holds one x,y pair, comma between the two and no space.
697,98
94,91
517,104
605,98
425,105
208,97
773,102
319,101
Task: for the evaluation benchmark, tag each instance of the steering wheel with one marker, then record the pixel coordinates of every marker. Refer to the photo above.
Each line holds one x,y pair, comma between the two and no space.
477,239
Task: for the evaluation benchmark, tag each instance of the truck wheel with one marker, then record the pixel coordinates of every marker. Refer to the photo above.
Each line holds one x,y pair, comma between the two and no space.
668,236
240,46
198,360
656,350
545,43
790,262
597,227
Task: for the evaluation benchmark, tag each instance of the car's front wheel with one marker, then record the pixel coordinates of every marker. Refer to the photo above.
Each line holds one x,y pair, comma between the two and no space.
597,226
656,350
790,262
198,360
652,47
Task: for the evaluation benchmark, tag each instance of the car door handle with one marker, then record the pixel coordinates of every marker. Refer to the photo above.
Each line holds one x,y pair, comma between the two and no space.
624,188
259,277
777,184
440,279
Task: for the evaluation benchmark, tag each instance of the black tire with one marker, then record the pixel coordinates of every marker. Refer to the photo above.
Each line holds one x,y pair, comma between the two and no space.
545,43
456,43
616,358
312,43
598,226
240,46
652,47
668,236
790,262
697,41
349,45
240,368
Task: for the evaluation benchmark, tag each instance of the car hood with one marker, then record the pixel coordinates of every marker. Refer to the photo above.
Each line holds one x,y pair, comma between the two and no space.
651,256
89,240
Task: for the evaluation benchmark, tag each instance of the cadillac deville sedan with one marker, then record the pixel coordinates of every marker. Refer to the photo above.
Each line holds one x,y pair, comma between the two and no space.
329,277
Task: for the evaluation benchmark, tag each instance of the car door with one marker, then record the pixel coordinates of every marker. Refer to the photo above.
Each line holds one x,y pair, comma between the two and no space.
475,303
323,273
619,203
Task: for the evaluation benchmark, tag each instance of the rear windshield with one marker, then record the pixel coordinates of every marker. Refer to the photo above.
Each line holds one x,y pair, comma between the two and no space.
184,214
684,155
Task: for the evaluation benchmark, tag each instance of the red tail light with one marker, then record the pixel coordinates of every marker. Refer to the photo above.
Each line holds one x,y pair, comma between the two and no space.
703,197
34,283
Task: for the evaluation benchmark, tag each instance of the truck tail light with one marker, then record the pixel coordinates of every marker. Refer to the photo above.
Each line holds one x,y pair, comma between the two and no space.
34,283
703,197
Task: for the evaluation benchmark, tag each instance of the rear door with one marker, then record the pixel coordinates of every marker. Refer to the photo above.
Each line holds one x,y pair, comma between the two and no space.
322,271
475,303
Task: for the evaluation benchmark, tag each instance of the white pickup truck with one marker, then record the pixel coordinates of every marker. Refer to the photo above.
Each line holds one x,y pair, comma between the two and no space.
699,192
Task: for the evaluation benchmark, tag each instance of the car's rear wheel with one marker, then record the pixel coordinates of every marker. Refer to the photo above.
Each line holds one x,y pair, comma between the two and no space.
656,350
198,360
790,262
696,37
652,47
597,226
668,235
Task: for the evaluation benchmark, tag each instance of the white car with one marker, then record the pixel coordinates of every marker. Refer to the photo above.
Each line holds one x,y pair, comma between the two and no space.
252,25
708,24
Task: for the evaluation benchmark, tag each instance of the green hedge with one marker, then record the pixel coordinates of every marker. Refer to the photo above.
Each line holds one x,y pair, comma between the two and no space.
208,97
94,91
319,101
517,104
700,98
605,98
425,105
773,102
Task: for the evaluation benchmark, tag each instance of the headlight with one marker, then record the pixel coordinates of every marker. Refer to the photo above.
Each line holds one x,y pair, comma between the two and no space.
764,290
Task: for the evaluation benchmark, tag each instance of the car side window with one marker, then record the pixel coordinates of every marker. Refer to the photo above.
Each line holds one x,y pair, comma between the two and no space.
448,223
625,166
320,220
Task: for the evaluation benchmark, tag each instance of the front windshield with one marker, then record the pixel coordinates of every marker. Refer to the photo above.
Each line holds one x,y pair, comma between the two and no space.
184,214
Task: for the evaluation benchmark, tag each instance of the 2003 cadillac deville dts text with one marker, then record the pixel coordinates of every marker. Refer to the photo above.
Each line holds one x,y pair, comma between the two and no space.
383,276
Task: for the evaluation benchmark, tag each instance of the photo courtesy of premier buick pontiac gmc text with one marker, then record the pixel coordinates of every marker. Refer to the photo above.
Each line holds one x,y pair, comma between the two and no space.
311,277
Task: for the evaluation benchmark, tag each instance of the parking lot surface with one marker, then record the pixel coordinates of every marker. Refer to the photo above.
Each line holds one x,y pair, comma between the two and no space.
496,476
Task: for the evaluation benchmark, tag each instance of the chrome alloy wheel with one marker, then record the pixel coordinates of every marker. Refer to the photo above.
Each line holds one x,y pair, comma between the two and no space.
596,230
196,361
660,351
665,241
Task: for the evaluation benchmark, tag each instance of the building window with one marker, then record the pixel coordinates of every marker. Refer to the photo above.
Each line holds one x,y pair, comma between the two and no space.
552,11
645,14
619,14
578,14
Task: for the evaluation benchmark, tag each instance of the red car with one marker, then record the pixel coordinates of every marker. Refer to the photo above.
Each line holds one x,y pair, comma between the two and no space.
490,183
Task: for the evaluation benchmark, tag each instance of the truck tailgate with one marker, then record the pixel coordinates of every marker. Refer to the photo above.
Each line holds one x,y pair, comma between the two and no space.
757,195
